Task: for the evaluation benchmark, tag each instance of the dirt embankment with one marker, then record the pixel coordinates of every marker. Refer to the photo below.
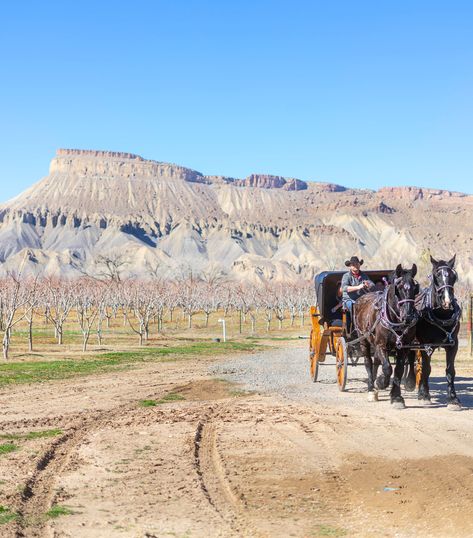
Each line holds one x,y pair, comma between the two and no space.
172,450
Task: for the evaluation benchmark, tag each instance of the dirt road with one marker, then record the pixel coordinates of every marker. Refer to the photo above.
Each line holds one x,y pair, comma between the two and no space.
274,455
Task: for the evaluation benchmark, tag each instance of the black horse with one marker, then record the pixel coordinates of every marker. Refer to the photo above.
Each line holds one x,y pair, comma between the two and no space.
438,326
385,322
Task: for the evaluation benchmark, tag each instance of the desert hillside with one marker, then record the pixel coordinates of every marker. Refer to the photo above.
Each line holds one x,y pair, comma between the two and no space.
165,218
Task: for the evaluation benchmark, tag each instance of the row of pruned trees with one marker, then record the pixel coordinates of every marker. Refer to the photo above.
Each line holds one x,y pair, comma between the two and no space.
93,303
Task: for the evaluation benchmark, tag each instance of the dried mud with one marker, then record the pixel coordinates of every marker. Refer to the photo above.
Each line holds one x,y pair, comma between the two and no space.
226,463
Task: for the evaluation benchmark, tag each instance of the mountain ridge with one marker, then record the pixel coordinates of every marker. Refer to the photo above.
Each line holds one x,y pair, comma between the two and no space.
95,203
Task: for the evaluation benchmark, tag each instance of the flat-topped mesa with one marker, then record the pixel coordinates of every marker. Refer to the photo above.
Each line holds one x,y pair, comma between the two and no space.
92,163
328,187
416,193
265,181
62,152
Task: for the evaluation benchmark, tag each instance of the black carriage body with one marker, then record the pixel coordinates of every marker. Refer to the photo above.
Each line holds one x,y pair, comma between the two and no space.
326,284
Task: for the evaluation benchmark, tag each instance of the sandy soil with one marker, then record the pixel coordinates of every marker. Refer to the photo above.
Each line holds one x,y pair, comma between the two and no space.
289,458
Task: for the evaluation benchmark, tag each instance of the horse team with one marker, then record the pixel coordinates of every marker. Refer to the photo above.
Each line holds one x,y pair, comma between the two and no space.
403,319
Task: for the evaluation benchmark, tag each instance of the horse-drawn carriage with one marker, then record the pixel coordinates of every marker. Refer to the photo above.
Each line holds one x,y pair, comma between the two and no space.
400,321
330,334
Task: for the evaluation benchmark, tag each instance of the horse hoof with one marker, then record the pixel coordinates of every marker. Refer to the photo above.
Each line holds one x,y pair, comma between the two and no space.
373,396
454,406
409,385
379,383
425,400
398,404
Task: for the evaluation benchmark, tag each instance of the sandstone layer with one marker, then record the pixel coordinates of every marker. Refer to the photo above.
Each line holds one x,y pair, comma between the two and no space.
165,218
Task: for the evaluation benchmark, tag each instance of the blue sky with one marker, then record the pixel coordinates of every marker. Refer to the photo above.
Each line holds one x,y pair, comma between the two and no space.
360,93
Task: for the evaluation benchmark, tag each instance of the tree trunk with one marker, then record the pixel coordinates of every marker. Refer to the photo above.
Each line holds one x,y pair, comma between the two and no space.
30,334
189,322
5,345
86,340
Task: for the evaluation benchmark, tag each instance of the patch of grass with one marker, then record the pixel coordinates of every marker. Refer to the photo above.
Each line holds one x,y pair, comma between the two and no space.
274,338
31,435
140,450
328,530
148,403
238,393
6,448
171,397
57,510
38,371
6,515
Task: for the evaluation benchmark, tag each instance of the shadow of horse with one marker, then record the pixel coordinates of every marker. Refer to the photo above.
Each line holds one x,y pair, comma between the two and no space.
463,385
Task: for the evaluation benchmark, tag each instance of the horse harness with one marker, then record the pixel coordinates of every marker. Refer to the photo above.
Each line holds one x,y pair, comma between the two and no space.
447,326
398,328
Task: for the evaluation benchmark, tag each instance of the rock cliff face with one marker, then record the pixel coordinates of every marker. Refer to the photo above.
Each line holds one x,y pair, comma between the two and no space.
170,218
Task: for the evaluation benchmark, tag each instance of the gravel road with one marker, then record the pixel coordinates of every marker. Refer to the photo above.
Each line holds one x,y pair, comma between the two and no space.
285,372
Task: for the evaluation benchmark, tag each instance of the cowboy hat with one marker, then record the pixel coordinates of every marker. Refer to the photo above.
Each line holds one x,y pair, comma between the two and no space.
352,260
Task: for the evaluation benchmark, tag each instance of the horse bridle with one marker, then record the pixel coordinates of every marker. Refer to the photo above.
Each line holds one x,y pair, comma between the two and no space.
402,301
448,326
398,329
438,289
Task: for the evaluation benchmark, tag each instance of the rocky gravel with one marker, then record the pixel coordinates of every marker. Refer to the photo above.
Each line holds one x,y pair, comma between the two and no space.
285,372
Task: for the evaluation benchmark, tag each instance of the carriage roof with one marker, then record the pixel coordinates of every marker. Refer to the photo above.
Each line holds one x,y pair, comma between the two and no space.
326,288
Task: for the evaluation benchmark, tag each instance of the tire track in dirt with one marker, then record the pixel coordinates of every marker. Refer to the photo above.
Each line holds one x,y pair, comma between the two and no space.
319,448
38,495
213,480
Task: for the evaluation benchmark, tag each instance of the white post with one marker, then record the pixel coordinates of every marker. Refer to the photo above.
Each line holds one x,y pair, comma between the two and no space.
224,327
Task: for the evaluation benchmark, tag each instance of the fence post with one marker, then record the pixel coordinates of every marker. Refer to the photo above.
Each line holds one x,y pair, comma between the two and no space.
470,325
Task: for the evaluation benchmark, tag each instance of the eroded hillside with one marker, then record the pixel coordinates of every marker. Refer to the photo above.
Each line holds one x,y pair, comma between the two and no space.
166,218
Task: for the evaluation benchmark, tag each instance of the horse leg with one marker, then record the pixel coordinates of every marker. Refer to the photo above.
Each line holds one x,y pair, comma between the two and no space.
372,393
382,381
409,377
424,393
376,364
397,400
453,401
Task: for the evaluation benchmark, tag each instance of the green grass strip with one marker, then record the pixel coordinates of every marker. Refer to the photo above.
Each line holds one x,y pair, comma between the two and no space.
31,435
6,448
6,515
148,403
57,510
38,371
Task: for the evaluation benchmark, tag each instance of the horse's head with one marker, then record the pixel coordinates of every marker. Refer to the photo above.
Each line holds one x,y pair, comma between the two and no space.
444,277
404,289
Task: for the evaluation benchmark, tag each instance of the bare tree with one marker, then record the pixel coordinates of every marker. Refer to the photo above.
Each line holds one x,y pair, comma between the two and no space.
14,300
60,298
110,267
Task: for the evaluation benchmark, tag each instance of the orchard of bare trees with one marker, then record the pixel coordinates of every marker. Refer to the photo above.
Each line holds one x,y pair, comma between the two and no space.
146,307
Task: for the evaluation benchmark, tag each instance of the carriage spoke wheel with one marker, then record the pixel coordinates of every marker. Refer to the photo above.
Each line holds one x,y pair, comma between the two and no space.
418,368
341,362
314,350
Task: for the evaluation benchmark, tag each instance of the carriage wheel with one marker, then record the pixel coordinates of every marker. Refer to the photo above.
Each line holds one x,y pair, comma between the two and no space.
314,350
341,362
418,368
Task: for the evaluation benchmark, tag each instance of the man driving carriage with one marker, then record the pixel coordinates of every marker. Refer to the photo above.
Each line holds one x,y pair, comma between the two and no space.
354,283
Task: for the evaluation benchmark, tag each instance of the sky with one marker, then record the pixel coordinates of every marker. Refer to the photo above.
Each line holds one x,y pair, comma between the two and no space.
361,93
